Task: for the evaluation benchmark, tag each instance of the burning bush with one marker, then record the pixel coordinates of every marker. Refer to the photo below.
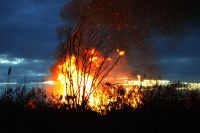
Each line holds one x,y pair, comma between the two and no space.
82,64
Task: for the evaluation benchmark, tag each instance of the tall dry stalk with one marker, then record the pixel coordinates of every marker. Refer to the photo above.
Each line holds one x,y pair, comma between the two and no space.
80,46
8,76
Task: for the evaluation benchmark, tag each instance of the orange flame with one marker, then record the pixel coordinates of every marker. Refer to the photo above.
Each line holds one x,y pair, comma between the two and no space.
71,80
121,52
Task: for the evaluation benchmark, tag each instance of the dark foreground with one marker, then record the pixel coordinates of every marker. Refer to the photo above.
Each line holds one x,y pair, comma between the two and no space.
53,121
166,111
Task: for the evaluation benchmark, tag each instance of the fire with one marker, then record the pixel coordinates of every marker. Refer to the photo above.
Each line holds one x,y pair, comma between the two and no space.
72,81
69,83
121,53
77,76
80,80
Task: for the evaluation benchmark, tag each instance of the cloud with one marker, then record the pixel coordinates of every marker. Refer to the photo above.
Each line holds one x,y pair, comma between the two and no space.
185,69
32,69
132,22
28,27
179,58
28,38
15,61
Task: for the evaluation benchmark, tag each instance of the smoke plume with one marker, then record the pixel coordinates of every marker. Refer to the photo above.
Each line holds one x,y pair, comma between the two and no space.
131,23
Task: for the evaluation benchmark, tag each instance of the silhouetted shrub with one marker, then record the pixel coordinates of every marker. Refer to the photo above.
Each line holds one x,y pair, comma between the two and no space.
164,109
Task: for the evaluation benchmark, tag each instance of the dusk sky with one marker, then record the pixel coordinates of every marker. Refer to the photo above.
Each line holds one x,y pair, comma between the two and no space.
28,40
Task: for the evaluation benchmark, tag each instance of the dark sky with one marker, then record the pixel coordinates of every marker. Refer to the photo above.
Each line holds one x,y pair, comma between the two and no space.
28,39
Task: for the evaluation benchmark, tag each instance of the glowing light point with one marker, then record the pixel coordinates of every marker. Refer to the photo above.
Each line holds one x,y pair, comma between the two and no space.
121,52
139,77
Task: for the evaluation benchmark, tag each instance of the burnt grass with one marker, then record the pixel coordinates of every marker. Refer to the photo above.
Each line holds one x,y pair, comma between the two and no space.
164,109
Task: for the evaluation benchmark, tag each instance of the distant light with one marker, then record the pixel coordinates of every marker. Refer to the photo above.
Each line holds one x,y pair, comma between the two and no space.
49,82
11,83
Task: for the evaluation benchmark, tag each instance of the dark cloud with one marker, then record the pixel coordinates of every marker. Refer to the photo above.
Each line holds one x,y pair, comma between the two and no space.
184,69
182,60
160,33
32,69
28,32
28,27
132,22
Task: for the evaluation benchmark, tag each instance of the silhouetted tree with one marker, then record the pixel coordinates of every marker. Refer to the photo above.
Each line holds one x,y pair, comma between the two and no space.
85,49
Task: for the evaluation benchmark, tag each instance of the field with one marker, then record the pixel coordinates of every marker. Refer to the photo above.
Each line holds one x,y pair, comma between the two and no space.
163,109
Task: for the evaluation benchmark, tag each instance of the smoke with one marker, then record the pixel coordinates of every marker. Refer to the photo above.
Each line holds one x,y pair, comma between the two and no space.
131,23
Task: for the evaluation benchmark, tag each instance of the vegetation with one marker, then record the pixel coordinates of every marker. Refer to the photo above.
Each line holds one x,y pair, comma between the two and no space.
164,109
161,109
